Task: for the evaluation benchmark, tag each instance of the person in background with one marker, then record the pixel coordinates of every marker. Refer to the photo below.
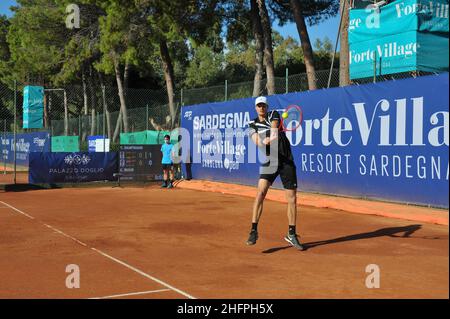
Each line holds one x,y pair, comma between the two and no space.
167,163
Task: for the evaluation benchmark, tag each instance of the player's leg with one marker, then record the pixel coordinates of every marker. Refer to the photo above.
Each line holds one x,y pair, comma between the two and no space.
289,179
171,179
165,176
263,187
291,197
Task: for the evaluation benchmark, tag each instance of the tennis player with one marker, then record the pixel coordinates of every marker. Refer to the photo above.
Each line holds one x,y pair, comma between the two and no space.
264,131
167,163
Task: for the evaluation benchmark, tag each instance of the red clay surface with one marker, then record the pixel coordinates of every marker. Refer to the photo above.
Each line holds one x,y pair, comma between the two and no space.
8,178
180,243
352,205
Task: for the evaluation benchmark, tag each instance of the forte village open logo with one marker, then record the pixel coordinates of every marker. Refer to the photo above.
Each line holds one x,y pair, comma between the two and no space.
77,159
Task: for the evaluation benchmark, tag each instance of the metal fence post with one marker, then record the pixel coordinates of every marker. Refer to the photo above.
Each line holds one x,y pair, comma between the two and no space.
287,80
4,147
98,123
343,8
15,132
66,115
226,90
104,121
375,67
146,117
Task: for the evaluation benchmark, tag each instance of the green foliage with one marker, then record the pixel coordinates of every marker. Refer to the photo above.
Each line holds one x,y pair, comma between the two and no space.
4,50
323,53
82,45
315,11
205,68
36,40
288,54
208,40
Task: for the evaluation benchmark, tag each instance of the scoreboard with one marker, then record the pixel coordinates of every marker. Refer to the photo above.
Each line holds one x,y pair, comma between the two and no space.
140,163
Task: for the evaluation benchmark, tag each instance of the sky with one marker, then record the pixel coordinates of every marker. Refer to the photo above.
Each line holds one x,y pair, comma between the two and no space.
328,28
4,6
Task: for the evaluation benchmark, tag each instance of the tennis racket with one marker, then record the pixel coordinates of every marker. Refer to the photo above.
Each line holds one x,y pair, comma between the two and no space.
291,118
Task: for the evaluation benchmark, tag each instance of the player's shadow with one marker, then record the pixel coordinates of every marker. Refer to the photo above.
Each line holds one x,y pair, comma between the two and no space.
403,232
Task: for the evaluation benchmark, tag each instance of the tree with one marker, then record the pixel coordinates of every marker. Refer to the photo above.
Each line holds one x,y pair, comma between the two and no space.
259,47
173,21
323,53
268,49
119,34
306,43
5,107
344,72
300,12
36,40
288,54
4,49
245,36
205,67
81,52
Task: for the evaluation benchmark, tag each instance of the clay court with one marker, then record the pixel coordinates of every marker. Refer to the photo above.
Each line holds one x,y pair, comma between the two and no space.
144,242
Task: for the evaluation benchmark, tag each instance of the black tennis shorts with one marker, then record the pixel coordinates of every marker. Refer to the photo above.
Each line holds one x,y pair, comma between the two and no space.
287,172
167,167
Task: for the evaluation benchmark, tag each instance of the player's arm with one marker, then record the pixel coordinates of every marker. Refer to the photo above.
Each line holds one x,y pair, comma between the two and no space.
173,153
274,125
255,137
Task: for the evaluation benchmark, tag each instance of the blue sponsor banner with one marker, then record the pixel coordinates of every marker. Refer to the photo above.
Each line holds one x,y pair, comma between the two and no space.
33,107
403,36
387,55
386,141
433,52
72,167
397,17
26,143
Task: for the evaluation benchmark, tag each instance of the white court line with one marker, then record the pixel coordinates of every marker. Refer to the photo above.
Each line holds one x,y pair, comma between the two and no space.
144,274
17,210
132,294
136,270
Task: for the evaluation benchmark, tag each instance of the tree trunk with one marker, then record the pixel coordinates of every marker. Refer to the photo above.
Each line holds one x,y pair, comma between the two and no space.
268,50
126,80
117,129
46,112
306,43
259,48
85,105
169,77
105,109
85,94
49,107
121,92
344,72
120,119
66,115
93,105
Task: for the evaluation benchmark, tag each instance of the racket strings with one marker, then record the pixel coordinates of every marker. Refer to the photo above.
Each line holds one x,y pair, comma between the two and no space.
293,119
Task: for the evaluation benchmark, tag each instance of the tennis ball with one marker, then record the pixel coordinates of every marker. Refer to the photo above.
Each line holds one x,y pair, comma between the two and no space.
285,115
